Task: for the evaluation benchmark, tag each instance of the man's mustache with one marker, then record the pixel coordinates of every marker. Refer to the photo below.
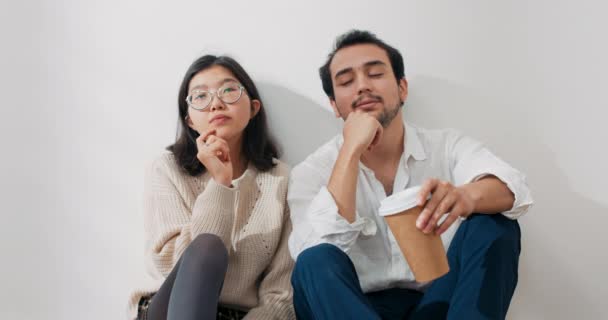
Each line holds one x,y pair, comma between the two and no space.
368,96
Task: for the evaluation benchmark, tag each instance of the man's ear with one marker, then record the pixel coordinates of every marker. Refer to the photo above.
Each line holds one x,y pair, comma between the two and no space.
332,102
403,89
255,107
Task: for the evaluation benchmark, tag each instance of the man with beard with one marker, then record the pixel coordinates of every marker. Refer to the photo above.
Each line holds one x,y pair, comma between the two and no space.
348,264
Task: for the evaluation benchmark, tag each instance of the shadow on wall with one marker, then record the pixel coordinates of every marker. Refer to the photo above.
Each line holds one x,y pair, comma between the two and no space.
299,124
557,265
561,239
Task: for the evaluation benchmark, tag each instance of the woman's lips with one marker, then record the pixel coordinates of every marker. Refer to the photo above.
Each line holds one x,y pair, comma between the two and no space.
219,119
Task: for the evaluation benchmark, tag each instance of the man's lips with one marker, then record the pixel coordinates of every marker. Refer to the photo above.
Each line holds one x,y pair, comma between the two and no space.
366,102
367,105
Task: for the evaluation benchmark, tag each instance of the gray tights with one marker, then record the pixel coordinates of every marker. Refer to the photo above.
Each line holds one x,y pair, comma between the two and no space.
192,289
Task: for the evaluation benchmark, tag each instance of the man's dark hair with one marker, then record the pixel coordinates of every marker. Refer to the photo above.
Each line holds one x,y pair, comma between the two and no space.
258,147
354,37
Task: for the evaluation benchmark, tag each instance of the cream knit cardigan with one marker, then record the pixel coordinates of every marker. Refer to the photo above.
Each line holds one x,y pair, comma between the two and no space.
251,218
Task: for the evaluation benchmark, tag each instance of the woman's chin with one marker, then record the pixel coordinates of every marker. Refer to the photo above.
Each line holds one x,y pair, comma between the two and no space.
225,133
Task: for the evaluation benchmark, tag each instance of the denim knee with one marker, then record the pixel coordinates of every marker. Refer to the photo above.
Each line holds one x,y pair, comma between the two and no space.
319,262
502,232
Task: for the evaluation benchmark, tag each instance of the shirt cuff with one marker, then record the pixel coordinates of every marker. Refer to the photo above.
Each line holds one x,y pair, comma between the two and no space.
333,227
516,182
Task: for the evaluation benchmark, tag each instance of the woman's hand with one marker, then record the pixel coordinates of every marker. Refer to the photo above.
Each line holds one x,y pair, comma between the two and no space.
214,154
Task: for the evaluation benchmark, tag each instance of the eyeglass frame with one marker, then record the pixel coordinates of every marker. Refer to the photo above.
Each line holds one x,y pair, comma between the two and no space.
213,95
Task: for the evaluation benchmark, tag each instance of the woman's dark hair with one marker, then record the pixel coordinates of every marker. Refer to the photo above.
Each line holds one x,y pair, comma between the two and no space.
258,146
354,37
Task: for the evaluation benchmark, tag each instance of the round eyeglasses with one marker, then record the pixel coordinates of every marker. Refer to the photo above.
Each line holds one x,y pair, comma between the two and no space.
228,93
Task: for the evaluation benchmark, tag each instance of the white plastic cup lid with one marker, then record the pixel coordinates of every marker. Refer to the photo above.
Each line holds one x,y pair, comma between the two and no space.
400,201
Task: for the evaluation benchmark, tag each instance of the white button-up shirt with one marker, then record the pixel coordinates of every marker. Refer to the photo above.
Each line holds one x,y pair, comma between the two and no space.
443,154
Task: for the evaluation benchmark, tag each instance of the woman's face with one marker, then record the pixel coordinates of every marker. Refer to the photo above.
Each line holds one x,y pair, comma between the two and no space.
228,119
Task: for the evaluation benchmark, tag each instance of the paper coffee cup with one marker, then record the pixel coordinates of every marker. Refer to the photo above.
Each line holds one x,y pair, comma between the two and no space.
424,253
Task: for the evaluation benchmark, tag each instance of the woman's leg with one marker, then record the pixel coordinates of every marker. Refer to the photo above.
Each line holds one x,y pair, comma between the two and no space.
192,289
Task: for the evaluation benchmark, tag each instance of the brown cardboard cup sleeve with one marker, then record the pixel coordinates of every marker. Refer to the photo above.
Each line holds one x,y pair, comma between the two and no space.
424,253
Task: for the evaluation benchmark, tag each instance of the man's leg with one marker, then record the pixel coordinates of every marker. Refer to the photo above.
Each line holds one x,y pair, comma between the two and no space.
395,303
326,286
483,258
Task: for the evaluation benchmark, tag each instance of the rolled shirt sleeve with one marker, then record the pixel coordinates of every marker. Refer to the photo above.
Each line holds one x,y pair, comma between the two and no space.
471,161
315,217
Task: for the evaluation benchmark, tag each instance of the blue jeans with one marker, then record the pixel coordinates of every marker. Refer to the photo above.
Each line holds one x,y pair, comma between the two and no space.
483,258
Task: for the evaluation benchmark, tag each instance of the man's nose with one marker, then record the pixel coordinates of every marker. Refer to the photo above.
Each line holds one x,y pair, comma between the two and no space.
363,84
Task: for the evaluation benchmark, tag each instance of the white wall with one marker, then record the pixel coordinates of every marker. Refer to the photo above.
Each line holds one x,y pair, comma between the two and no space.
89,97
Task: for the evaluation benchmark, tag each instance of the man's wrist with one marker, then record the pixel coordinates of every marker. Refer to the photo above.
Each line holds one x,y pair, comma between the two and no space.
351,150
473,192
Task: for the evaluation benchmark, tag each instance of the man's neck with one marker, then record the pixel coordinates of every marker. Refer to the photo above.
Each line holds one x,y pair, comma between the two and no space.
390,147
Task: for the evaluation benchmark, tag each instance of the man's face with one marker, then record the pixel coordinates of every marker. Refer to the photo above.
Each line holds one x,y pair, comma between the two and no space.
363,79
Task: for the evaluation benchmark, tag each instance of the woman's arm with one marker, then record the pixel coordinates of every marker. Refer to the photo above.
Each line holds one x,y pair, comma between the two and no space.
169,224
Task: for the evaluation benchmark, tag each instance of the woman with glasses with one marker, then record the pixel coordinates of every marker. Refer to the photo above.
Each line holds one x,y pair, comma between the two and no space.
215,215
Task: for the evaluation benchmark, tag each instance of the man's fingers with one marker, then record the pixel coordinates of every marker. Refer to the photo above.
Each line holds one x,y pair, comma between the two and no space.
444,207
447,222
426,189
458,210
437,195
377,137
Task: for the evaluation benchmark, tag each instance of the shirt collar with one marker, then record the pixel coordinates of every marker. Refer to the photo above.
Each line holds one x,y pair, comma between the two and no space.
412,146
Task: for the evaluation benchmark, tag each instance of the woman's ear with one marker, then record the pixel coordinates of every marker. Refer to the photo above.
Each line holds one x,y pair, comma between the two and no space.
255,107
189,122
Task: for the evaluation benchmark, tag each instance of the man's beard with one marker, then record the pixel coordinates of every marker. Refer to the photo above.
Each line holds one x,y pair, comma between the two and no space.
386,117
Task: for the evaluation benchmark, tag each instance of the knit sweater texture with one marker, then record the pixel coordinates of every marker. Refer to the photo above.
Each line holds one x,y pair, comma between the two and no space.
251,218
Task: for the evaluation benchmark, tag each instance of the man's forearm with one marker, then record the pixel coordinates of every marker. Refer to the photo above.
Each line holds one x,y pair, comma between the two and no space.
490,195
343,182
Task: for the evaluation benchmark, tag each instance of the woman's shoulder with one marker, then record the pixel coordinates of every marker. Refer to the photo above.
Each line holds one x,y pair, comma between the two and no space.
280,169
277,175
163,161
165,164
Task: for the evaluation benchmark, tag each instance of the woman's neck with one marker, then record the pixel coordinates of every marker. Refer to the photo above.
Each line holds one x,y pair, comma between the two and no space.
237,158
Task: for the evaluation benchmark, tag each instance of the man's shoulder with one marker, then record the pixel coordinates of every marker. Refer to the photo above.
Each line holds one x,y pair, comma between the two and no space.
434,132
437,137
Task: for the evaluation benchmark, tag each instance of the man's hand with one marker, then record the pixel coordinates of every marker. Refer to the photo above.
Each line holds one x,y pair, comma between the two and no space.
361,132
214,154
445,198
